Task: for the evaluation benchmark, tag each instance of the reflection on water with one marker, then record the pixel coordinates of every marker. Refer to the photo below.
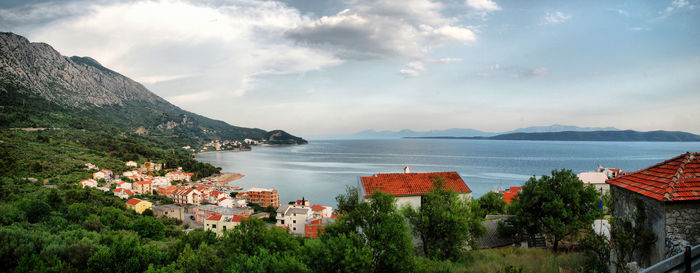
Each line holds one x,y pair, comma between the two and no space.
322,169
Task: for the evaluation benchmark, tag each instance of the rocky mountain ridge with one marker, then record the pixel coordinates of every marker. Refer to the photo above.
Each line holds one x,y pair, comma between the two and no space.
82,87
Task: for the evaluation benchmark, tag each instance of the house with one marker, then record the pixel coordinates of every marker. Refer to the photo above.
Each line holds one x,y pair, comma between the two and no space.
596,179
293,217
229,202
221,223
610,172
179,176
90,183
161,181
132,164
171,211
91,166
123,185
167,191
408,188
670,194
143,187
262,197
103,174
185,195
205,211
123,193
138,205
314,226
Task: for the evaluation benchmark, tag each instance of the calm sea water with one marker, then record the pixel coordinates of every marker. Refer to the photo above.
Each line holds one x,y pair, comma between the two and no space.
322,169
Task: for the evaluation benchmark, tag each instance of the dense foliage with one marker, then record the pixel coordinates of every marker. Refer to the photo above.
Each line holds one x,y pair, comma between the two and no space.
445,223
558,205
490,203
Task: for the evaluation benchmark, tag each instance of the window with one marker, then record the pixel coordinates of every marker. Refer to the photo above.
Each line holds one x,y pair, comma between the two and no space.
295,221
213,226
295,228
224,228
166,213
283,222
295,214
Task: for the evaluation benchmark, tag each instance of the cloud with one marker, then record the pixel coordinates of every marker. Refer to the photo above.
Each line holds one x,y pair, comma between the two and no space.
621,12
176,47
483,5
416,68
553,18
513,71
674,6
381,29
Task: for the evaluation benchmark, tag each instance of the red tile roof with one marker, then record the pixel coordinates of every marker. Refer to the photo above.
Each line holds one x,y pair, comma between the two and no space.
133,201
215,217
676,179
317,207
508,196
144,182
400,184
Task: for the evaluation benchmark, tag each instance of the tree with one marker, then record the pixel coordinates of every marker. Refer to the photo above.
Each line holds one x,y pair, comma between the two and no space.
444,223
381,227
558,205
149,227
490,203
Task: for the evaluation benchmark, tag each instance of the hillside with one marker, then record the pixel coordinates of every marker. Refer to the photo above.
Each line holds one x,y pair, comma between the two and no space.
41,88
459,132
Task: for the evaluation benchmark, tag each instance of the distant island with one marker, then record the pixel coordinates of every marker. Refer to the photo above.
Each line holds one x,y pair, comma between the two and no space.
620,135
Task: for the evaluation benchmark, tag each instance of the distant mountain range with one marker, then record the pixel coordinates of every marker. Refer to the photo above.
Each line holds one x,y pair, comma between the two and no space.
626,135
456,132
41,88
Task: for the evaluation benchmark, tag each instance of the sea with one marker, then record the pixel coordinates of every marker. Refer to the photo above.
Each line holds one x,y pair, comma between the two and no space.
322,169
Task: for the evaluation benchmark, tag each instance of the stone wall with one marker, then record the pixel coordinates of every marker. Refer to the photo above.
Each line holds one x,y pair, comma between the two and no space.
682,226
625,208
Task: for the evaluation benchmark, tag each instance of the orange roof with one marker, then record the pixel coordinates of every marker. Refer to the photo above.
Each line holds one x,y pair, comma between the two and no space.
515,189
144,182
676,179
238,218
508,196
129,192
400,184
119,189
215,217
318,207
133,201
201,188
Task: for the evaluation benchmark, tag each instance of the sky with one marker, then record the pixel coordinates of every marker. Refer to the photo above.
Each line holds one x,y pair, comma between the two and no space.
328,67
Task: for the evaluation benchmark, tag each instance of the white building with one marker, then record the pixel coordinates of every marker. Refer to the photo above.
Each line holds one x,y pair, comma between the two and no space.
229,202
132,164
103,174
90,183
124,185
221,223
408,188
596,179
293,218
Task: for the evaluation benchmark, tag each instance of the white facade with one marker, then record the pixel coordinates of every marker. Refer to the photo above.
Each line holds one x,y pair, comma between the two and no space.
293,218
596,179
90,183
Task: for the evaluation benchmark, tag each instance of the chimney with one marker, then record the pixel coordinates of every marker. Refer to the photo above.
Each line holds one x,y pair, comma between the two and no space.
406,170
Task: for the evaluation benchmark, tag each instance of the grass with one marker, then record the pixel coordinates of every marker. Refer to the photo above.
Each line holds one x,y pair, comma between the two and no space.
497,260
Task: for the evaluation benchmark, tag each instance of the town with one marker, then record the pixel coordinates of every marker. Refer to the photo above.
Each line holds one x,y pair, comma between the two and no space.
212,205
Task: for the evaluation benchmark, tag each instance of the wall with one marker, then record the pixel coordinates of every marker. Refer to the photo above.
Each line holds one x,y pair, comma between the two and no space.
625,208
414,201
682,226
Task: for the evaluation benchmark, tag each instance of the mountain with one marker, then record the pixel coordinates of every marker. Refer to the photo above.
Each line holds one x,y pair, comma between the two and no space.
41,88
456,132
627,135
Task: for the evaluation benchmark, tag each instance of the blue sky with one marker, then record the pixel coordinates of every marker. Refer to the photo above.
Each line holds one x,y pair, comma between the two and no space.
316,67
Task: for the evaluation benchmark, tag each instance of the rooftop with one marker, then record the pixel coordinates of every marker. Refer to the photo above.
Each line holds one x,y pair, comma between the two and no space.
399,184
676,179
133,201
593,177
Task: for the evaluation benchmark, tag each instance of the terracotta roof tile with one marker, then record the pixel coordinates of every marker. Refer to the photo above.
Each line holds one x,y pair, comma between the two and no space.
676,179
399,184
317,207
133,201
215,217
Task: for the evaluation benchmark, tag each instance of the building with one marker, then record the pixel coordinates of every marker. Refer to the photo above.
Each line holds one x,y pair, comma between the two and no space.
138,205
610,172
185,195
314,226
229,202
408,188
90,183
132,164
296,217
670,194
596,179
179,176
103,174
221,223
143,187
124,185
206,211
123,193
172,211
261,197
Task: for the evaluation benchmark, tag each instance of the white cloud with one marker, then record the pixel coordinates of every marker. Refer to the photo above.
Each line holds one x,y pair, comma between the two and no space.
203,48
378,29
557,17
514,71
676,5
484,5
409,73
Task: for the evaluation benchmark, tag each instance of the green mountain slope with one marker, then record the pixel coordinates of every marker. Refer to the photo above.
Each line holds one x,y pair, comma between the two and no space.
41,88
